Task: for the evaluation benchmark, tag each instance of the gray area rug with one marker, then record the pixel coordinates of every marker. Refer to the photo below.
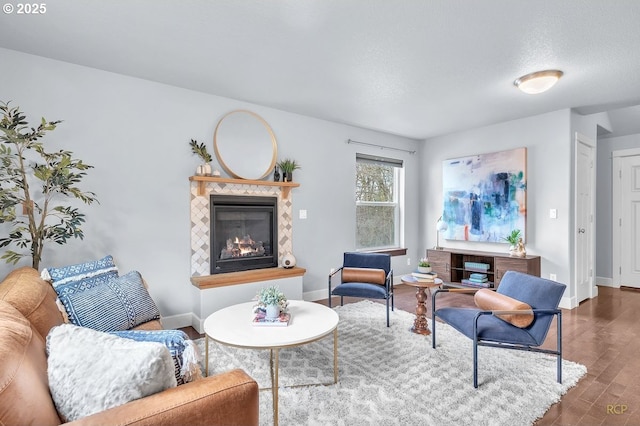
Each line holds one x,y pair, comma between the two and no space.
390,376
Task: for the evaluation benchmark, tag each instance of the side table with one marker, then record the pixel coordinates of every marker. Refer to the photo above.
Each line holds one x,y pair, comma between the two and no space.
420,324
310,321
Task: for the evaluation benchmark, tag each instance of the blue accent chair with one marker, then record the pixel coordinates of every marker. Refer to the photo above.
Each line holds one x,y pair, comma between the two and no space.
486,329
365,290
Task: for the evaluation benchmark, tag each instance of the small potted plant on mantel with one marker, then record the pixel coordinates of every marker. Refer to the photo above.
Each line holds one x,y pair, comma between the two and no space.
200,150
272,301
288,166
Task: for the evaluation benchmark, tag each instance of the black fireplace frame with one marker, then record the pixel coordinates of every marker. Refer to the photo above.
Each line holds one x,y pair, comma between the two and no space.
221,203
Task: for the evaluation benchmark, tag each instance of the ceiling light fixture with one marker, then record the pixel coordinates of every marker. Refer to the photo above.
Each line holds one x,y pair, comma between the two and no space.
538,82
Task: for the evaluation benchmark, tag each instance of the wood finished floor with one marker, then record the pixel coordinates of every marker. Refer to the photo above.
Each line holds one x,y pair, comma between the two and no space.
601,333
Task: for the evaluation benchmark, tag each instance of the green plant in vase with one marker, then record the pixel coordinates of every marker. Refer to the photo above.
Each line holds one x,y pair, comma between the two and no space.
287,166
272,301
424,265
200,150
515,241
513,237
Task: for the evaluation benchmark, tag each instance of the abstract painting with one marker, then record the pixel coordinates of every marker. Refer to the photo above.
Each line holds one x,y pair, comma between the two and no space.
485,196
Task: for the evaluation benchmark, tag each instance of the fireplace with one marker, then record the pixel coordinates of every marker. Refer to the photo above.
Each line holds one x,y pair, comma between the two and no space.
243,233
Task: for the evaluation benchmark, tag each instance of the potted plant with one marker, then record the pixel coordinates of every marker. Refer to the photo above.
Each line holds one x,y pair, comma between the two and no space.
513,238
424,266
288,166
272,301
200,150
34,215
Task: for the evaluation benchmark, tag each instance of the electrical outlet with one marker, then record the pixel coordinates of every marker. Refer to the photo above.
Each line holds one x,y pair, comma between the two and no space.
408,261
553,277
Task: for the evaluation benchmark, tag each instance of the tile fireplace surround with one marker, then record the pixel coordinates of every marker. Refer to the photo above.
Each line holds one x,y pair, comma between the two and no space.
200,220
219,290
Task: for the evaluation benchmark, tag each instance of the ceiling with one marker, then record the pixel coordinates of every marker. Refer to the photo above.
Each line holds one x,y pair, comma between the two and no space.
406,67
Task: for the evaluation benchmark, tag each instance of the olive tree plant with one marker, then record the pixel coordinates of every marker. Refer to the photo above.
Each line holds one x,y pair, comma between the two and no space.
32,183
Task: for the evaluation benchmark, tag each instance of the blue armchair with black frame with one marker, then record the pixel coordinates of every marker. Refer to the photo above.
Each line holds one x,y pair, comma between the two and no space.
518,315
364,275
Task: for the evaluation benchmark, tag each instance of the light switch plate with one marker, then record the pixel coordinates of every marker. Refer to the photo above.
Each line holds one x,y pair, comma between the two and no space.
553,213
302,214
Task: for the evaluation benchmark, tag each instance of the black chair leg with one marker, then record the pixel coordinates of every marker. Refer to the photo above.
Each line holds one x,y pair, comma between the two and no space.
387,312
433,329
559,346
475,362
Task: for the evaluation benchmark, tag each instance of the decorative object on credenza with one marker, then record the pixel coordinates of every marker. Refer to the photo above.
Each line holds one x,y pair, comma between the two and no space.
441,226
516,243
32,181
424,266
520,250
216,173
288,166
288,261
271,301
200,150
276,174
245,145
484,196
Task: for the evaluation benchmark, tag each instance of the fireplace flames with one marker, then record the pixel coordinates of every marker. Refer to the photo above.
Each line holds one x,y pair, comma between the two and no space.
242,247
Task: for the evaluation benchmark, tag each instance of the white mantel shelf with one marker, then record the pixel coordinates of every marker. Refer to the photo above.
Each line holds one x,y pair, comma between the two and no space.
202,181
243,277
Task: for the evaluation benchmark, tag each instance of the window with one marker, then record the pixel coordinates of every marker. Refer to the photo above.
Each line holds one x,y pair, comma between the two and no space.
378,192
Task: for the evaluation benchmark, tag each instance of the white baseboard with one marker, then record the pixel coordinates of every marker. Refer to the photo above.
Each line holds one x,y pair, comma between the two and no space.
606,282
311,296
568,303
173,322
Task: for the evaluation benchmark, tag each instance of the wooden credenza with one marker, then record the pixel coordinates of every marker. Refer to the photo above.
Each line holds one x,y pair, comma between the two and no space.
449,264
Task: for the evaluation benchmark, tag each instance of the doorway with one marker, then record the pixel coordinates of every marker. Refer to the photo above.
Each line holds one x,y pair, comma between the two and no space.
584,235
626,217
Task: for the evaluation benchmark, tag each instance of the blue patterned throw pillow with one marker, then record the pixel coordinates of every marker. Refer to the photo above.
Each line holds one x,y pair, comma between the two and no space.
113,304
183,351
82,274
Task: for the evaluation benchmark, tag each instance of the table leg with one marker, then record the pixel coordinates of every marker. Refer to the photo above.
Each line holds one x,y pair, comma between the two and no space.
335,355
206,358
420,324
275,386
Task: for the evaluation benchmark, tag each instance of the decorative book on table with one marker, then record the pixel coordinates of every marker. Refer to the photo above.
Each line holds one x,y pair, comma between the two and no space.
424,276
260,320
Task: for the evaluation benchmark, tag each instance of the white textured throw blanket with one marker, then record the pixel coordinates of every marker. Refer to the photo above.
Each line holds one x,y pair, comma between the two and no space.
90,371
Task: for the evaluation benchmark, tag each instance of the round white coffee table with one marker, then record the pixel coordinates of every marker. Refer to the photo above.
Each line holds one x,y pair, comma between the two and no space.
309,322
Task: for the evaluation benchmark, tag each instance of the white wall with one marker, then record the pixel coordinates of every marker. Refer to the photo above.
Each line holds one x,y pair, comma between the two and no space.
549,158
136,132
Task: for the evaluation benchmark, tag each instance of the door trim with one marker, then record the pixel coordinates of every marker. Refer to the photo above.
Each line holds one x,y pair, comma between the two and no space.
616,213
593,289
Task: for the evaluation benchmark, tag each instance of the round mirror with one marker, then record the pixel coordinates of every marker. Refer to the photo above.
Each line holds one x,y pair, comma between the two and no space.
245,145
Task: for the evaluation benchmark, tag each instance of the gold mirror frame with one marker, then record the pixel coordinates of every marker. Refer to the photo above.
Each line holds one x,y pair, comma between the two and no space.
239,138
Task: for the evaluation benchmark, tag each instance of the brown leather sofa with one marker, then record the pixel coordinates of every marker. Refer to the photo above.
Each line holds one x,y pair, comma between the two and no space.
28,311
